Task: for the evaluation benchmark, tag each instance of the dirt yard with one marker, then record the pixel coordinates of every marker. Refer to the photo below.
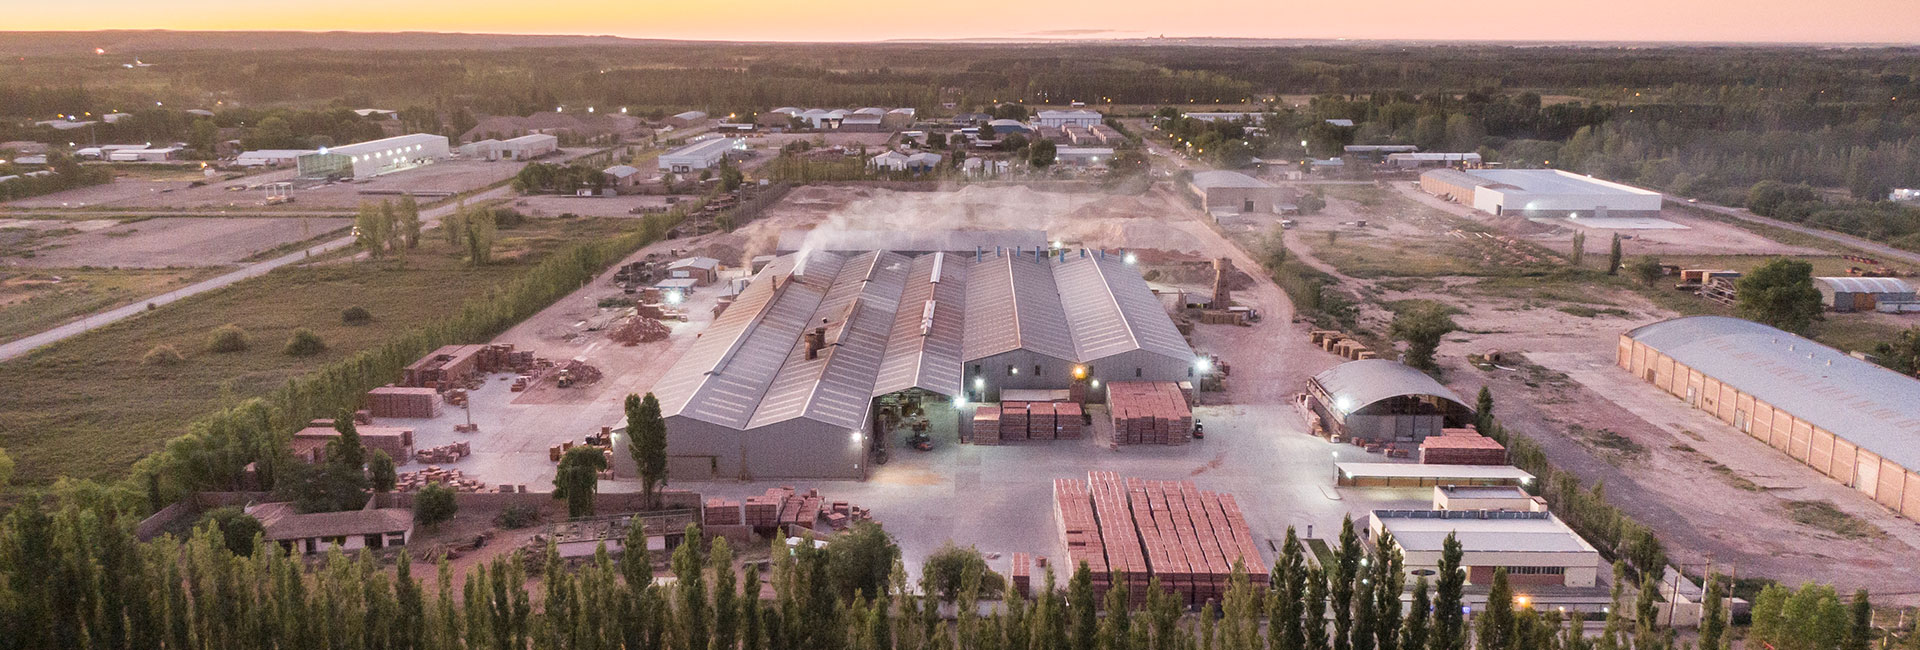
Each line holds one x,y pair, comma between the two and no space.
169,242
1712,494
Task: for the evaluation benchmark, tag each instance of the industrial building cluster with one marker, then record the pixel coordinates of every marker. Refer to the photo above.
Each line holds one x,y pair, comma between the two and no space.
803,371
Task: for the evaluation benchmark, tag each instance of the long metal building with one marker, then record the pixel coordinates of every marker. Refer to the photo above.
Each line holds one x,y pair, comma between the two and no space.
1846,418
806,368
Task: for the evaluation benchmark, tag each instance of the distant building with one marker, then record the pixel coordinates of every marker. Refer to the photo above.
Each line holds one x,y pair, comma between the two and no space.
369,159
1848,293
922,162
529,147
1344,123
270,157
1903,195
702,270
1541,193
1435,159
1004,127
24,147
619,176
1377,152
863,123
687,119
1081,117
1381,400
488,149
351,530
577,125
1250,118
890,160
1236,192
158,154
705,154
1084,156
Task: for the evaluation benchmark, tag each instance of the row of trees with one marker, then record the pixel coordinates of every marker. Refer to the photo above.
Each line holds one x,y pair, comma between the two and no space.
67,174
386,228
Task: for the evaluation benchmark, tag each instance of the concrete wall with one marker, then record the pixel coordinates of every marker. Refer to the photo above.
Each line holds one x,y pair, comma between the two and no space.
1579,569
1235,198
1516,202
1140,365
793,449
993,374
1893,486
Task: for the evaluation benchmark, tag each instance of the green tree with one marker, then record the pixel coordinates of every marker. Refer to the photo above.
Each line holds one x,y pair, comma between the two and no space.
480,232
1903,352
1290,591
1080,610
1647,270
647,443
1446,632
860,560
372,229
1413,631
228,338
434,503
1313,622
1042,153
304,343
1780,293
694,615
407,217
236,528
1613,256
1311,203
1859,623
1340,585
6,470
1713,614
1389,579
1496,625
577,478
345,450
1422,327
1483,409
381,472
726,611
1578,253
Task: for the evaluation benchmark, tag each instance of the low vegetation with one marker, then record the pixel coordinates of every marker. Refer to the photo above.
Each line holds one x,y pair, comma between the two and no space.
304,343
227,339
1825,516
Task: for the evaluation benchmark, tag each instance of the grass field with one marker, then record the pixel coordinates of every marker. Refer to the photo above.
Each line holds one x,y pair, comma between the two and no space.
88,408
34,301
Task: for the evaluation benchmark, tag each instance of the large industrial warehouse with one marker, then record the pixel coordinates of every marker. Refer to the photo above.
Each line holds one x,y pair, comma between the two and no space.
1382,400
1847,418
373,158
787,381
1540,193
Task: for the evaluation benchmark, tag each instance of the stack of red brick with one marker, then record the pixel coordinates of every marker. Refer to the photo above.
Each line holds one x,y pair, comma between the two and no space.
764,511
721,512
986,425
1188,538
801,510
1067,422
1462,447
1149,413
1022,574
1013,421
403,402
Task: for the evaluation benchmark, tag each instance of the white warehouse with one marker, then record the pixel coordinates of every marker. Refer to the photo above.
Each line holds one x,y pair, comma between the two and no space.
1542,193
529,147
369,159
700,155
1078,117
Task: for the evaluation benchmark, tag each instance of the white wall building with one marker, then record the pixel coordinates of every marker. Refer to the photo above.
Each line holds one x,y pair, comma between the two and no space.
704,154
1535,548
369,159
160,154
270,157
529,147
1555,193
1083,156
1080,117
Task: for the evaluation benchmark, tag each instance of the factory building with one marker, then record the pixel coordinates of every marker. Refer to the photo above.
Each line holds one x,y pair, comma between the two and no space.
1432,159
705,154
1230,191
529,147
1084,156
792,381
1846,418
1080,117
1541,193
270,157
1535,548
1381,400
369,159
1847,293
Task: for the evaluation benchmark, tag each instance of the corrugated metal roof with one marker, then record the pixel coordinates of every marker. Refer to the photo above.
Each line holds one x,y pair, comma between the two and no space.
1455,177
836,386
1367,381
1110,310
1218,178
1867,285
1012,303
924,352
1862,403
725,373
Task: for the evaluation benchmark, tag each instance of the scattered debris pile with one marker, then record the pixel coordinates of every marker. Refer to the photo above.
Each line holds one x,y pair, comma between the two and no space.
453,478
444,453
782,507
640,329
1346,346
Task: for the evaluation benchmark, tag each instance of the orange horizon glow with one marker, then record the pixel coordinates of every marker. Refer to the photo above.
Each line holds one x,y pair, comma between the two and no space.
1836,21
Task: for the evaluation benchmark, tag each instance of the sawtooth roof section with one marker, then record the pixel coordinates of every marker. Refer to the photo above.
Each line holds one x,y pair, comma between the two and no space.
725,373
836,388
1110,310
1014,304
928,358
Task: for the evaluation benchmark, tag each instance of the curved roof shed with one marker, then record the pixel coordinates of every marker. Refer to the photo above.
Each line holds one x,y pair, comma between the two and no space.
1358,386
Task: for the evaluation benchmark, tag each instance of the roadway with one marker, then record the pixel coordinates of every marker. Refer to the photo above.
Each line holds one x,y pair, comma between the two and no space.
429,217
1864,245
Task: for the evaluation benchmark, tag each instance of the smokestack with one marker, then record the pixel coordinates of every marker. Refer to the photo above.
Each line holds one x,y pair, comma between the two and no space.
1222,270
816,341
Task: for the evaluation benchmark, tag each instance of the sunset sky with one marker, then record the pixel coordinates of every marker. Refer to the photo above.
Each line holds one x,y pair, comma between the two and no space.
1876,21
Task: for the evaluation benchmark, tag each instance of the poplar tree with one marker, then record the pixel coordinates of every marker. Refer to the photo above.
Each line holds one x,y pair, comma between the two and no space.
647,443
1340,585
1115,628
1389,580
1080,609
750,635
1713,614
1413,631
1613,256
691,593
1289,592
1446,632
1496,624
1314,621
726,609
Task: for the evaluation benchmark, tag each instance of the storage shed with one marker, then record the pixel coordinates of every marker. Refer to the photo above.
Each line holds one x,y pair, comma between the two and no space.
1381,400
1849,419
1236,192
1849,293
1535,548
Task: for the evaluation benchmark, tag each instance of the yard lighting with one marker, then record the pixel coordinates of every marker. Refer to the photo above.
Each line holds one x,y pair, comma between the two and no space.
855,437
1130,258
959,401
1203,364
1096,383
673,298
1523,601
979,383
1343,403
1079,372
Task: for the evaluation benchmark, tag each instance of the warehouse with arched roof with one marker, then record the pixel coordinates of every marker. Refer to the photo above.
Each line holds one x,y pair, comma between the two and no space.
1381,400
1846,418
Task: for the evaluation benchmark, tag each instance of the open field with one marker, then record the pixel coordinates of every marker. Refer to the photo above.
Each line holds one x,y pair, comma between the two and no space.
32,301
87,407
1709,492
169,242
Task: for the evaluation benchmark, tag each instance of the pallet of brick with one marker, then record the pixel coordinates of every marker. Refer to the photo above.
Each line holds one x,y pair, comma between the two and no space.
403,402
721,512
986,425
1021,573
1470,449
1040,421
1243,547
1068,424
1013,421
449,365
1125,557
1079,529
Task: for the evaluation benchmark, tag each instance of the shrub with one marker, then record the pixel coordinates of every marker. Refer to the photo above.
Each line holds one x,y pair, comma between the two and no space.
356,315
237,528
518,516
228,338
162,355
434,504
305,343
947,568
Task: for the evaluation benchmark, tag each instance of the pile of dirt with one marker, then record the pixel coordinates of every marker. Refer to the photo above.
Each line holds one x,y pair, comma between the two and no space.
639,329
1117,207
583,374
